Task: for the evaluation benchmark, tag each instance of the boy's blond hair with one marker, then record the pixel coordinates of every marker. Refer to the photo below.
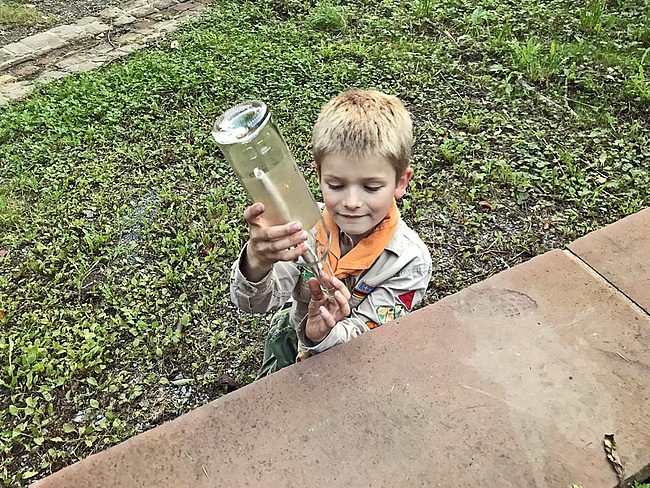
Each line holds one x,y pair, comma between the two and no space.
363,122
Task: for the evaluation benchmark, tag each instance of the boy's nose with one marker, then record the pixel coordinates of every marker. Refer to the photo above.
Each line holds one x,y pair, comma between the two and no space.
351,200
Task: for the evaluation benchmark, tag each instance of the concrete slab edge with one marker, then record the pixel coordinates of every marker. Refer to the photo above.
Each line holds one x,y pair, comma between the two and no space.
596,275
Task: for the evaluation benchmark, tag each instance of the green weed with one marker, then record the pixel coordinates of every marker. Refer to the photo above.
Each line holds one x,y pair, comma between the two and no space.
538,63
638,85
593,18
422,9
16,14
327,16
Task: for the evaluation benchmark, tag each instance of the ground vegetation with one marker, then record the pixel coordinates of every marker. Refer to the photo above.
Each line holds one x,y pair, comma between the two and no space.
119,218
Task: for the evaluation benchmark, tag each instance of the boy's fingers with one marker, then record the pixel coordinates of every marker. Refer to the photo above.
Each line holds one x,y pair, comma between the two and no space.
293,254
327,317
285,243
254,211
340,286
282,231
284,236
344,304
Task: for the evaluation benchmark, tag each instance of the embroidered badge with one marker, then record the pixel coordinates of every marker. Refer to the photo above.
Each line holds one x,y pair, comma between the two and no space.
362,290
386,313
407,298
306,273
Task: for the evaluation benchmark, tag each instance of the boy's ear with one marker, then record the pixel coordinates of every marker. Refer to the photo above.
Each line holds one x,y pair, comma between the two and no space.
403,182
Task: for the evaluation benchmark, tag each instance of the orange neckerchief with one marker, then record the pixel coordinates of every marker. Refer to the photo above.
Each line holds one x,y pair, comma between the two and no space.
367,250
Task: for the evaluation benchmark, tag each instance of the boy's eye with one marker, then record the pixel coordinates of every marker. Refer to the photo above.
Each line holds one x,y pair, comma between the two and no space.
372,189
334,187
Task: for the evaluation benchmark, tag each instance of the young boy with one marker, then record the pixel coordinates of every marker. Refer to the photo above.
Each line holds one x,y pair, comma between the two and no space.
362,147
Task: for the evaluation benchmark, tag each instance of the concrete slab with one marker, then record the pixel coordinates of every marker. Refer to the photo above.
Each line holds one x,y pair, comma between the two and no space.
96,27
17,49
43,42
621,254
82,66
513,382
50,75
163,4
110,13
74,59
15,90
67,31
86,20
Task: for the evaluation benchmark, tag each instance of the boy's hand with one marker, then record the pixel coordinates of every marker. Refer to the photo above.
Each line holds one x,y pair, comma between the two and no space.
269,244
323,314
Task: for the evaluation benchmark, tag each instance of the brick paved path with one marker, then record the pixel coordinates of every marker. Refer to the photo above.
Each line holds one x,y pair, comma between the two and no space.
88,43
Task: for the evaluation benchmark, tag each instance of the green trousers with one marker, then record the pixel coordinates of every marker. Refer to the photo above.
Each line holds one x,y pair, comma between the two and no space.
281,345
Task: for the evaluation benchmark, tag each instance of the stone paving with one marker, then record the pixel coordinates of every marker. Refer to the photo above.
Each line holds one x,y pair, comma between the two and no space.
523,380
88,43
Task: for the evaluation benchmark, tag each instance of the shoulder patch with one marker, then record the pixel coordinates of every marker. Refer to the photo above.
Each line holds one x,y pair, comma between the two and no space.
407,298
362,290
386,313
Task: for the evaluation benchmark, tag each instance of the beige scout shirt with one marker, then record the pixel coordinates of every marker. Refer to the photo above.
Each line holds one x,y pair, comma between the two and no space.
390,288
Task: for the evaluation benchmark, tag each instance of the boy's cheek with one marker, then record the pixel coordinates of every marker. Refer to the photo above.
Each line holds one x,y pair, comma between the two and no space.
329,200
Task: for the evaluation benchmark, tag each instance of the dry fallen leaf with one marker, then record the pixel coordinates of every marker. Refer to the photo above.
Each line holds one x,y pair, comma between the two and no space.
485,204
174,45
610,450
3,253
601,180
2,314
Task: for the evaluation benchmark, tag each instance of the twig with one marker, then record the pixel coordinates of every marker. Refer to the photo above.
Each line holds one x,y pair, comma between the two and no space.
580,102
622,357
545,99
108,37
452,87
452,38
81,285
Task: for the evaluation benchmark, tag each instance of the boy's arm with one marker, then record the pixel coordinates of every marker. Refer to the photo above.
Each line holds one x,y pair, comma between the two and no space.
263,276
393,298
269,293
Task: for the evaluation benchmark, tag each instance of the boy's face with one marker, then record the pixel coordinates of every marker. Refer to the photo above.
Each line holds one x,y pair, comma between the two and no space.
359,191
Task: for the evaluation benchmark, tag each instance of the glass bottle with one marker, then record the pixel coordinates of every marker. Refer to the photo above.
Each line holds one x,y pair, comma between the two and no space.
255,149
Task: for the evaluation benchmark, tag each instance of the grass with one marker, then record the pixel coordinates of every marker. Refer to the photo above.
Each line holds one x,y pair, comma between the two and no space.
18,14
119,218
